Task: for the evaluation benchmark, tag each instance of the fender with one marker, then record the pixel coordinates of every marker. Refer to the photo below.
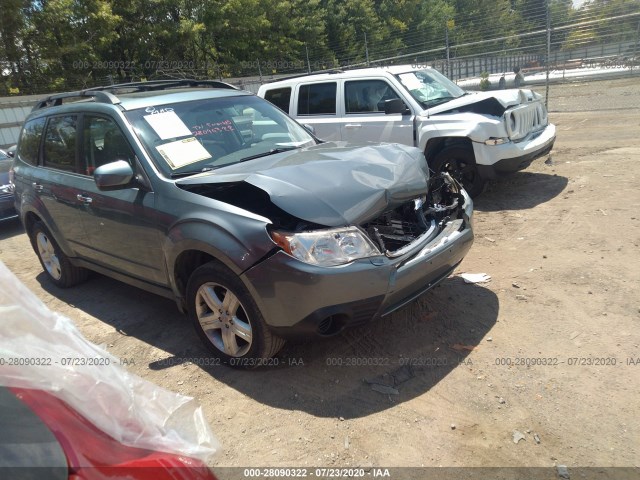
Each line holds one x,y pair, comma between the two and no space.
477,128
201,235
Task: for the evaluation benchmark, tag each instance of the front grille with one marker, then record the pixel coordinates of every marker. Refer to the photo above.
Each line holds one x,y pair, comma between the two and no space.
524,119
394,232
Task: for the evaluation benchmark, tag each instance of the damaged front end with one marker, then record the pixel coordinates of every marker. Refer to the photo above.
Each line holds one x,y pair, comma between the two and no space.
351,233
395,231
334,205
376,265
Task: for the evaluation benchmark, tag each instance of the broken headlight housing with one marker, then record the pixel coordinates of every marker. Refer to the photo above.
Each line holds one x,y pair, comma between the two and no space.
326,248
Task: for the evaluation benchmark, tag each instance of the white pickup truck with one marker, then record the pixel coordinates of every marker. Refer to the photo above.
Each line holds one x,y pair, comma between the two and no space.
473,135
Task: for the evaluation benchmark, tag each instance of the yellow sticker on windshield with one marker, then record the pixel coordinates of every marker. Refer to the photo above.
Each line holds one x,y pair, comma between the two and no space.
183,152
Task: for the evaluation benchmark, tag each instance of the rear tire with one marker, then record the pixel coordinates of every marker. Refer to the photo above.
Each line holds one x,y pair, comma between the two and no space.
227,318
460,162
53,260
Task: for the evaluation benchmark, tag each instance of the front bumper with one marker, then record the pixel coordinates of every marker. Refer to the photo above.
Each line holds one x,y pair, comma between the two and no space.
494,160
300,300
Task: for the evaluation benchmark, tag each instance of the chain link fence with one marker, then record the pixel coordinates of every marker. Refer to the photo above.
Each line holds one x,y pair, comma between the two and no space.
560,62
566,61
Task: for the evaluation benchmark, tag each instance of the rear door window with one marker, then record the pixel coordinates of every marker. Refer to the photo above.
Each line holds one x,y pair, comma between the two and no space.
60,143
317,99
280,97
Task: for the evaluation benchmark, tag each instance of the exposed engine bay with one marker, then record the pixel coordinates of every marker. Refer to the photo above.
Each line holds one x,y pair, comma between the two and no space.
398,228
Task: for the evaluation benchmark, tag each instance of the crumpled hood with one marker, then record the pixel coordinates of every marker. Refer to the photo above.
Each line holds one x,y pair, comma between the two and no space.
331,184
506,98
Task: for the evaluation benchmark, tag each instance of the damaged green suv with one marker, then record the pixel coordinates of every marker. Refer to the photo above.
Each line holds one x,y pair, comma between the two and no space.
214,197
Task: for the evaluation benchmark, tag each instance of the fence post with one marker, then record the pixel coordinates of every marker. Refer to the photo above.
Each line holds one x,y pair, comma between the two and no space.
308,62
546,99
366,48
259,70
446,43
635,49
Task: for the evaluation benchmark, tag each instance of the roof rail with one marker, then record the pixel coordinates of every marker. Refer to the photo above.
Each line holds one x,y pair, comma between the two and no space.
106,94
163,85
56,100
299,75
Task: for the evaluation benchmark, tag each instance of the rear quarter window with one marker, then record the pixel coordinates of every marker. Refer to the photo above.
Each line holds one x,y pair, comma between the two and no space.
29,142
317,99
280,97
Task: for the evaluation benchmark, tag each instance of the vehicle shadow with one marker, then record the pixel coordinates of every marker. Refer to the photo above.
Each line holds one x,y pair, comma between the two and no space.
354,374
520,191
10,228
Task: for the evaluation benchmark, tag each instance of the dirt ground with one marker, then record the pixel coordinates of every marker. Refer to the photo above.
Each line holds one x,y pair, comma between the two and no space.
547,349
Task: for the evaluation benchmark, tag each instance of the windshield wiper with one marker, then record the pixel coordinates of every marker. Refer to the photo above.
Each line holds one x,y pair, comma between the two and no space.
245,159
267,153
193,172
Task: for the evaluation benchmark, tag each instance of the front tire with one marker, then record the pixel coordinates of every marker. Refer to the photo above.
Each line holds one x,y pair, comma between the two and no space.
57,265
460,162
227,319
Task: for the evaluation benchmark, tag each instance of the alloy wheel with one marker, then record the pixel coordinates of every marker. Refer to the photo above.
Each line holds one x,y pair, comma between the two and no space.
47,253
223,319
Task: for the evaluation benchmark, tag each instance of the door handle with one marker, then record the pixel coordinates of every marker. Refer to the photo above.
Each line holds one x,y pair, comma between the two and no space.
37,187
84,199
353,125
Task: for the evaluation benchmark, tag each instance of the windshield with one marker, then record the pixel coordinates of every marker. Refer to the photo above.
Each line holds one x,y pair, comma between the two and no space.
192,137
430,87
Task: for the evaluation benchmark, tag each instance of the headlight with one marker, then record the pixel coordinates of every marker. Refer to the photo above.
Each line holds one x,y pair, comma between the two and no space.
326,248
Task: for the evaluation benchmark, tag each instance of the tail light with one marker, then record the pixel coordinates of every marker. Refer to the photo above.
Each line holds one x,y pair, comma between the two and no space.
94,455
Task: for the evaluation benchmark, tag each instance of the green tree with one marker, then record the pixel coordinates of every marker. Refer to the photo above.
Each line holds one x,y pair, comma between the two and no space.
12,61
604,21
67,37
348,22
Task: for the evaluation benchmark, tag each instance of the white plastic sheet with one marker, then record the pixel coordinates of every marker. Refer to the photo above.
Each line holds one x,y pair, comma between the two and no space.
130,409
475,277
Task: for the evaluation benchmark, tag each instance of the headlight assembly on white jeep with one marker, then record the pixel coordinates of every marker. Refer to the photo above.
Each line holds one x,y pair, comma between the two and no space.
326,248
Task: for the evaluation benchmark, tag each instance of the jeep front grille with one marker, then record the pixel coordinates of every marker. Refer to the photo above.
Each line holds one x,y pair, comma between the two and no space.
525,119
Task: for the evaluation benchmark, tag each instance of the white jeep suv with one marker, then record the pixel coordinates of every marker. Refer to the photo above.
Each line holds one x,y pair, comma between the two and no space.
474,136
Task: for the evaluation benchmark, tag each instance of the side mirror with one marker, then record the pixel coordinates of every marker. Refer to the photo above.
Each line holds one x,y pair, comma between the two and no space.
310,128
395,105
114,175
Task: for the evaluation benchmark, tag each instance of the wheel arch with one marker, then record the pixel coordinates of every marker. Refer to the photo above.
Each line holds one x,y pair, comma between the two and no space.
31,217
436,145
190,245
186,262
